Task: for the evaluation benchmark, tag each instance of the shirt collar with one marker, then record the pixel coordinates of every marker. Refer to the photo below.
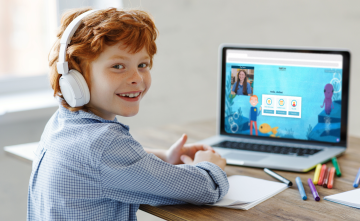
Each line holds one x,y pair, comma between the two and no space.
89,115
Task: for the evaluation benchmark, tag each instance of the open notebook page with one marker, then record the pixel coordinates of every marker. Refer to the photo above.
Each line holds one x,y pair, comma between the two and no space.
248,191
349,198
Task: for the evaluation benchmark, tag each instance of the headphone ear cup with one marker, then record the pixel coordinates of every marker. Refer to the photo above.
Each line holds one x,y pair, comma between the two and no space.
83,85
74,89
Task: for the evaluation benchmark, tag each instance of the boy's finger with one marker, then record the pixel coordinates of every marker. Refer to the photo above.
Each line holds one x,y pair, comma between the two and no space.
195,146
207,147
186,159
181,141
200,146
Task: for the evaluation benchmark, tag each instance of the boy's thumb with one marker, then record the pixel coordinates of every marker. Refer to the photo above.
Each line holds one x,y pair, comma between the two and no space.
182,140
180,143
186,159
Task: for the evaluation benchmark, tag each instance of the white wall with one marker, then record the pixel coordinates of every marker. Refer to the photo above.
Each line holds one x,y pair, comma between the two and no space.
185,67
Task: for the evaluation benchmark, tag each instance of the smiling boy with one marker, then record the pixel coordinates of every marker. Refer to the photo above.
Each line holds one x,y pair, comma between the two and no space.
87,165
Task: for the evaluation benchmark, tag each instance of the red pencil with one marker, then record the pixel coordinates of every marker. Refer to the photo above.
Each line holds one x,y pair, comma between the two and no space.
322,174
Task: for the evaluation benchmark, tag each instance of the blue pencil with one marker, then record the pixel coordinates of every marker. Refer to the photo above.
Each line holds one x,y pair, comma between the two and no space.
301,188
357,179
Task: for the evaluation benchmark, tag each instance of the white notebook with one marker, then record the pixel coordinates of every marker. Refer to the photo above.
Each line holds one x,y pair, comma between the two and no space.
349,198
246,192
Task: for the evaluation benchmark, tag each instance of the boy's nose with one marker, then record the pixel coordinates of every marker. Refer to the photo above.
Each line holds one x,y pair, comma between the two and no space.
135,77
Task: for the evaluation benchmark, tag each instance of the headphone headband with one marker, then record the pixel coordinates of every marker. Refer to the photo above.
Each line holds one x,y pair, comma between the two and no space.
62,65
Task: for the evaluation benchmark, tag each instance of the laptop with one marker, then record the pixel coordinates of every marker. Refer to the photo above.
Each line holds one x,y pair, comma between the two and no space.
281,108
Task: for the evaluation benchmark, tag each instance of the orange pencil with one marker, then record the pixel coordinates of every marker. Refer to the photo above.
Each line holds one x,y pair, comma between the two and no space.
331,178
322,174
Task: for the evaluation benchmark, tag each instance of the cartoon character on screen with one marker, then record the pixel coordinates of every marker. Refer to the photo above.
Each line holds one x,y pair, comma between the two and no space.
328,92
254,113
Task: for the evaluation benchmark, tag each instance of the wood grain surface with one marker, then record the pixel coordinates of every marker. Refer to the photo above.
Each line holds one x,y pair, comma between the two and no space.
286,205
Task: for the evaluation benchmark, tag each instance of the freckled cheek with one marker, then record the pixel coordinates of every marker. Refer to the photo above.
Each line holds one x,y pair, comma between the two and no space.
147,82
103,84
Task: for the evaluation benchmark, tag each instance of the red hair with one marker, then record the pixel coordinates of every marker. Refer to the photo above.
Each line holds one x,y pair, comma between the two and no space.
254,96
134,28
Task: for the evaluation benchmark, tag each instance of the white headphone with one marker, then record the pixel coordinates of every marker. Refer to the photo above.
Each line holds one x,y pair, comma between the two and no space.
72,83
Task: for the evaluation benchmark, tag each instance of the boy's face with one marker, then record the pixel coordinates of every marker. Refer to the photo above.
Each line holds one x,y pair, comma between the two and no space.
253,101
119,80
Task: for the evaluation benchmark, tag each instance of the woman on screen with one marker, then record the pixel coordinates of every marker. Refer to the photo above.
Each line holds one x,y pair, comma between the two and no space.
241,86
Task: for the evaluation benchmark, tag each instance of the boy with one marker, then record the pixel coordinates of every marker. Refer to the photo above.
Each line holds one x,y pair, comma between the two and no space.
87,165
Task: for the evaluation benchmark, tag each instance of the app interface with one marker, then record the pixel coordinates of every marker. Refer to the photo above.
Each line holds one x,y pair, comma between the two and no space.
283,95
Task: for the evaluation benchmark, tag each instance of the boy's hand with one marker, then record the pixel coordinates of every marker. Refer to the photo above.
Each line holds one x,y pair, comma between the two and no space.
206,155
179,149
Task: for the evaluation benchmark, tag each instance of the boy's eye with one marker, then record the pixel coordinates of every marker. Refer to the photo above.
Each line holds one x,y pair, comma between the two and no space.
143,65
118,66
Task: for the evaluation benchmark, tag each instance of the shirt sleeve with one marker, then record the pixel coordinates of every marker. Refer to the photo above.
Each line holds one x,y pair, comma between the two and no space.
234,86
130,175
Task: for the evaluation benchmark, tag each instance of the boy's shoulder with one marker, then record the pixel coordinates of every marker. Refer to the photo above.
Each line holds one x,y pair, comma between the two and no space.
83,136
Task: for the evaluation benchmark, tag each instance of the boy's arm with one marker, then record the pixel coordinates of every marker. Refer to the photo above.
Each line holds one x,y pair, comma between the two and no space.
130,175
157,152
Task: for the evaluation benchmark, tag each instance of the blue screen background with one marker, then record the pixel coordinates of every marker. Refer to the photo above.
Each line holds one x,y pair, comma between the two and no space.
305,82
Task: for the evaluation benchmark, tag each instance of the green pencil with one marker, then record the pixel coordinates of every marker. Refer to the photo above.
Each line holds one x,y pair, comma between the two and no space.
336,165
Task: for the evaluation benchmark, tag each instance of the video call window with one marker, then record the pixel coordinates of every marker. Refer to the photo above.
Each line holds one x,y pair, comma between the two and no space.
240,75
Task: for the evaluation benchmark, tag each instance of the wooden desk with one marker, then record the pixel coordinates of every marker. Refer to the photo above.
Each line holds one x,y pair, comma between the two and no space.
287,205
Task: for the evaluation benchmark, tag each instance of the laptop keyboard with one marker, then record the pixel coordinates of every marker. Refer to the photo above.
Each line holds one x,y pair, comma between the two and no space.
268,148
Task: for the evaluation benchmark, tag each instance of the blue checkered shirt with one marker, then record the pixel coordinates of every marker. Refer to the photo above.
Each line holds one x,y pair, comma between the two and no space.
89,168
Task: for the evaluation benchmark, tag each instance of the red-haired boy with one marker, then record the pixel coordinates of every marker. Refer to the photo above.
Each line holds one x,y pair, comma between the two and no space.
87,165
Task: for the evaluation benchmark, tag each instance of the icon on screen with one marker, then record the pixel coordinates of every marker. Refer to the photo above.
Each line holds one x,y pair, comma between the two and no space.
293,103
269,101
281,102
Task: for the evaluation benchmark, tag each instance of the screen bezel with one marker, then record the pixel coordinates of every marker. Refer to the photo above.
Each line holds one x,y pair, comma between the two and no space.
345,91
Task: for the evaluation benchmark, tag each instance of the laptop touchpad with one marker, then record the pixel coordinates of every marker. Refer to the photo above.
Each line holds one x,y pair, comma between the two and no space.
243,157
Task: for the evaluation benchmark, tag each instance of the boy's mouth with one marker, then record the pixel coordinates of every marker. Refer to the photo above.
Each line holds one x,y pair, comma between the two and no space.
130,96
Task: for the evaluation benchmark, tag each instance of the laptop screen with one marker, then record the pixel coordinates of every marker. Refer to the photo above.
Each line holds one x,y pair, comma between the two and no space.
280,94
